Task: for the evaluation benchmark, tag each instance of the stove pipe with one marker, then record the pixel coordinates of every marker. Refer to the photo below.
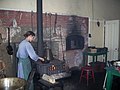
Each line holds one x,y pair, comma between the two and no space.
39,29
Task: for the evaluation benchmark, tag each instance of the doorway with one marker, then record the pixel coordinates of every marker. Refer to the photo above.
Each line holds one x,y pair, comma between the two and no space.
112,39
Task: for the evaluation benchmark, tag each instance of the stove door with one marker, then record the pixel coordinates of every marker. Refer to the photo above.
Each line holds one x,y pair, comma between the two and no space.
74,42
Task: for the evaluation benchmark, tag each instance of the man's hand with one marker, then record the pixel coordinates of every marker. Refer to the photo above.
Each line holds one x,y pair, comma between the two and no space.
42,59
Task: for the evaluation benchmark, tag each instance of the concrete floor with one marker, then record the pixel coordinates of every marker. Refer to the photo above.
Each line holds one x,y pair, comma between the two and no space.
72,83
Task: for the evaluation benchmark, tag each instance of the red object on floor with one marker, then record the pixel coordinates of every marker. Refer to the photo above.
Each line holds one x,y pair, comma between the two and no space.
88,73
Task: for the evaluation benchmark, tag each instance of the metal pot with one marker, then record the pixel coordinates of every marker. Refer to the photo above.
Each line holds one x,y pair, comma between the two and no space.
12,83
48,55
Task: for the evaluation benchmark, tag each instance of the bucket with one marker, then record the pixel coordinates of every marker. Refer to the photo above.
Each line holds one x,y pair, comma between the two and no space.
12,83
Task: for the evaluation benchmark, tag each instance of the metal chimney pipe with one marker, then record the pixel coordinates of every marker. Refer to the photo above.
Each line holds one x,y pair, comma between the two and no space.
39,28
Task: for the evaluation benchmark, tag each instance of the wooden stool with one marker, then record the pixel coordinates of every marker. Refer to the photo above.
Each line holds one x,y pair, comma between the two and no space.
88,73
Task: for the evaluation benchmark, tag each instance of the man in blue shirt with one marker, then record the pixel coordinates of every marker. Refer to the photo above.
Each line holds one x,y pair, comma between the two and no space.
25,50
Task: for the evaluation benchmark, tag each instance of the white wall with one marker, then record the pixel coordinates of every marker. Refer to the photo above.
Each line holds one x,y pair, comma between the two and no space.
97,33
97,9
20,5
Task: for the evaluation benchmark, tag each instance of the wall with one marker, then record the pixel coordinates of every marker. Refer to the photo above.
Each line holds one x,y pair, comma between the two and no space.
94,9
54,36
102,9
20,5
97,33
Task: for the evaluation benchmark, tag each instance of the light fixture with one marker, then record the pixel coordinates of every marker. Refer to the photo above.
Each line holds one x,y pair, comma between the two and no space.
98,23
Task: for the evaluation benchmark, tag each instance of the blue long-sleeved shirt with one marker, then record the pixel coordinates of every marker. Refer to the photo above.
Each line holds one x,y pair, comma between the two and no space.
25,49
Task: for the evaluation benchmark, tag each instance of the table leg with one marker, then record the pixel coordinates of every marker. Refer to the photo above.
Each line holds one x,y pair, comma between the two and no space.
109,80
96,58
85,60
105,82
93,60
106,58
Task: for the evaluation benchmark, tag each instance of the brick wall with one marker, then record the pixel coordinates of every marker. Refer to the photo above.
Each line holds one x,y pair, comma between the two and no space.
25,21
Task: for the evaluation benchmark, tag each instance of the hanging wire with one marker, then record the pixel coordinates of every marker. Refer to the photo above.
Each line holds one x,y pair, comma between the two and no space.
32,20
61,42
49,14
55,22
45,24
92,10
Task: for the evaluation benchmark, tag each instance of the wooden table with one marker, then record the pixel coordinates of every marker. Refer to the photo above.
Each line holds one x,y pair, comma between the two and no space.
94,56
110,72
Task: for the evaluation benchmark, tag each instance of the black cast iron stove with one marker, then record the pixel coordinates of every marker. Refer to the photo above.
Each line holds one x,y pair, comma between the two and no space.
55,68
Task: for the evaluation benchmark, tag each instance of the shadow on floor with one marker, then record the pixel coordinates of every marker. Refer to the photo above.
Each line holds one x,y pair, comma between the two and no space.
72,83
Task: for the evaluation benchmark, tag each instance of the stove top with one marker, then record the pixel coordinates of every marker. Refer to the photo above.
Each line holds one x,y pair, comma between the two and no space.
53,67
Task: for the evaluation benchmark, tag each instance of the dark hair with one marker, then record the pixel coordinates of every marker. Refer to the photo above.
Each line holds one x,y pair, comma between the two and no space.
28,33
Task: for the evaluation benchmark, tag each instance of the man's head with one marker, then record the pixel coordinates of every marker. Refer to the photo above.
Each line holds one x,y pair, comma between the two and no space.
30,36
